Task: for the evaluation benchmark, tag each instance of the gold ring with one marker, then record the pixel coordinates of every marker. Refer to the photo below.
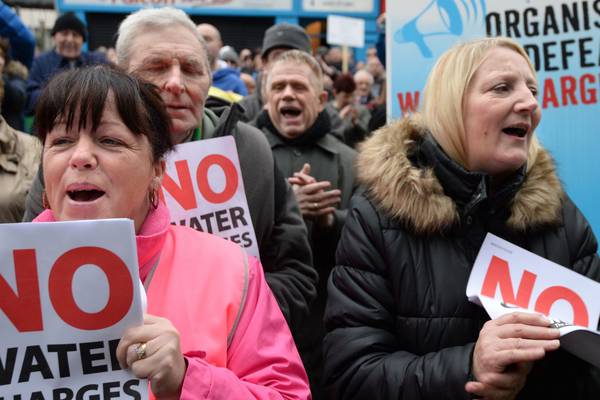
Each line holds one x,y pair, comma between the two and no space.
140,350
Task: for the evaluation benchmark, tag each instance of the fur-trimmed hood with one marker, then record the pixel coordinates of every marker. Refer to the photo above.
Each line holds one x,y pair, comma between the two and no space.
415,196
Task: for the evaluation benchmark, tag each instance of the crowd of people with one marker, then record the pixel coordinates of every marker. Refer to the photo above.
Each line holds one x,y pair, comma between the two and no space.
367,232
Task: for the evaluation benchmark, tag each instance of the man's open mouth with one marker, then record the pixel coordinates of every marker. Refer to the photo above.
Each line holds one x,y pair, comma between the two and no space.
290,112
85,195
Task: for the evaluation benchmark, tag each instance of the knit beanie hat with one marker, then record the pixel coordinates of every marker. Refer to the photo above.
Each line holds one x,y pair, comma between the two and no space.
285,35
69,21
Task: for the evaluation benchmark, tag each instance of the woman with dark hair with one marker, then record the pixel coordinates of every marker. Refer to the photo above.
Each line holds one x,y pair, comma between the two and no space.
399,323
105,135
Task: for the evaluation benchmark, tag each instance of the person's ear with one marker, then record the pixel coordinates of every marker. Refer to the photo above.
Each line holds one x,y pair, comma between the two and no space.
160,167
323,96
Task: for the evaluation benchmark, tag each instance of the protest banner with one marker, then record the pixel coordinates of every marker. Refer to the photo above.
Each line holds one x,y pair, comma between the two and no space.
562,38
346,32
203,189
68,291
506,278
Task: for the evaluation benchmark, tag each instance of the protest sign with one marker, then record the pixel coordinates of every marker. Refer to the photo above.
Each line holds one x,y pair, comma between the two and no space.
68,291
345,31
203,189
507,278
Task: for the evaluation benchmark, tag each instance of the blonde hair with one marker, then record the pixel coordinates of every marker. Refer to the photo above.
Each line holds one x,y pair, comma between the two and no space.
443,96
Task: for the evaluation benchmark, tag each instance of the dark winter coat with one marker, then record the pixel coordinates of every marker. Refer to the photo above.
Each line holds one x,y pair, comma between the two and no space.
399,323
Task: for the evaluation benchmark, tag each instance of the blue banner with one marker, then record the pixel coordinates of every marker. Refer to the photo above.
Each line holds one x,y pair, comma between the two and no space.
562,39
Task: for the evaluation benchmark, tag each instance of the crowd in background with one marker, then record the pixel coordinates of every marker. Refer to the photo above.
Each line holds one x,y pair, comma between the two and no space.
235,71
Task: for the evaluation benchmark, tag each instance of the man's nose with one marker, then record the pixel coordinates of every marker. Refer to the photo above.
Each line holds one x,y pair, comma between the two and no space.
288,91
174,82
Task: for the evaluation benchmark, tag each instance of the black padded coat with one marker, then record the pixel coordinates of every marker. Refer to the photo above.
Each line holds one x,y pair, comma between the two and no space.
398,320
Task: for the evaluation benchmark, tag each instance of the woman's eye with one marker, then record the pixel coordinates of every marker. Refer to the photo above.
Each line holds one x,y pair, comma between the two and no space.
501,88
110,141
534,90
60,141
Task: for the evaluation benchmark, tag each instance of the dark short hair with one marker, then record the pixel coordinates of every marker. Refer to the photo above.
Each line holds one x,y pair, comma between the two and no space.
83,92
344,83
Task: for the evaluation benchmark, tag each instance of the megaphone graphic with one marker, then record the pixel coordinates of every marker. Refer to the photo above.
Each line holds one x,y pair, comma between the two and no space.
440,17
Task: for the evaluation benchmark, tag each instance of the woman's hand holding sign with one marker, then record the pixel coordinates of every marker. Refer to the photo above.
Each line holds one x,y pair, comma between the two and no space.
505,352
152,351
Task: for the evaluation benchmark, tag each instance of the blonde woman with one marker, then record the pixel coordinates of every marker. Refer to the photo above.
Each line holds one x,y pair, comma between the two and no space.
399,323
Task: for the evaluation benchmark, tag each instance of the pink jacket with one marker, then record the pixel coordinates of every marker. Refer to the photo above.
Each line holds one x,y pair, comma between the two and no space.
259,360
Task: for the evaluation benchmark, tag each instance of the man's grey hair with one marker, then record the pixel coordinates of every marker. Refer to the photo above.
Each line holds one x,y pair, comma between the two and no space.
150,19
365,73
300,57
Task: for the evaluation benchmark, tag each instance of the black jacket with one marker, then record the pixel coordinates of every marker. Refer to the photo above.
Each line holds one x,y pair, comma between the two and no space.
399,323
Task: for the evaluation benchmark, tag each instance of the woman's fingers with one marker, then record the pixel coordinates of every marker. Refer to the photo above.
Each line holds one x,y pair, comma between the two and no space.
152,351
521,344
512,339
522,318
135,336
527,332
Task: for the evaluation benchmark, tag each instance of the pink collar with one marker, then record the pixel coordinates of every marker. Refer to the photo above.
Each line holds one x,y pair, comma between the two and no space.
149,240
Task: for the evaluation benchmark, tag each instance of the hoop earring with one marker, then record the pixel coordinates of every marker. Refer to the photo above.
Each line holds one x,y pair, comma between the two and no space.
153,197
45,203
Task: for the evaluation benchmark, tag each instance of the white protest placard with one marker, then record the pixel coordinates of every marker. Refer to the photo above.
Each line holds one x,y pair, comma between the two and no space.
507,278
203,189
345,31
68,291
